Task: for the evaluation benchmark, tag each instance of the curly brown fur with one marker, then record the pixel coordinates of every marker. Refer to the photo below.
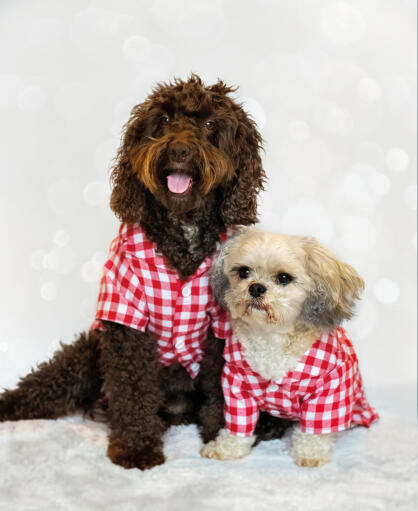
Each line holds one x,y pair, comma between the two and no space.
67,383
129,363
270,428
180,405
211,417
169,232
201,400
230,168
183,128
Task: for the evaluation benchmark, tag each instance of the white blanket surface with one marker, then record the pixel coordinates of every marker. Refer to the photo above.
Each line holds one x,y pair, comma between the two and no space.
61,465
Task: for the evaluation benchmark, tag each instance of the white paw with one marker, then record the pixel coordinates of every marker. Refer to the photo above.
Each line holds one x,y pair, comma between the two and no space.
227,447
212,450
311,450
310,462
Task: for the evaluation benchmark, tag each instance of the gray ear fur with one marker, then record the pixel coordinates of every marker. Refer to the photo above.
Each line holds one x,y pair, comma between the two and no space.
320,310
337,286
218,280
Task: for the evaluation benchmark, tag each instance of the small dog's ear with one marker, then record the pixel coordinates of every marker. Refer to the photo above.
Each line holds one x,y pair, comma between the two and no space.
239,200
128,196
218,280
336,286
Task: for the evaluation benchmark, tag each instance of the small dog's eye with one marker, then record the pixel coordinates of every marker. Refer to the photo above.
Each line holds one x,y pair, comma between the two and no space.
210,125
164,119
243,272
284,278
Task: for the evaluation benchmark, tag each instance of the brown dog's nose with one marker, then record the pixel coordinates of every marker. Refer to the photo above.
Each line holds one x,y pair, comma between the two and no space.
257,290
179,152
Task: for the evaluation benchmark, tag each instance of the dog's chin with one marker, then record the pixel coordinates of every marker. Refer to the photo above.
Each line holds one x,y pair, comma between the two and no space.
180,203
254,311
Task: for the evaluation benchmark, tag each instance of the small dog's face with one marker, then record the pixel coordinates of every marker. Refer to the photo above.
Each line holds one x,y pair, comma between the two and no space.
267,277
183,142
282,280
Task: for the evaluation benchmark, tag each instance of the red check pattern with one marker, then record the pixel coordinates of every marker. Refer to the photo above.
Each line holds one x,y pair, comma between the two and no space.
139,289
324,391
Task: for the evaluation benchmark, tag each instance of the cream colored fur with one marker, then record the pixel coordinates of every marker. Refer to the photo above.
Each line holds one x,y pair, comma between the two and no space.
270,329
311,450
227,446
269,352
272,355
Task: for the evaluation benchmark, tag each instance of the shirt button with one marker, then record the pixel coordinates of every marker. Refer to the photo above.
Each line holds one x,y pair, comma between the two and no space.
273,388
195,367
180,345
186,291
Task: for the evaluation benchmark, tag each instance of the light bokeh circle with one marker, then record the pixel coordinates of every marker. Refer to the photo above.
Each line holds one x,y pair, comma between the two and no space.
369,90
91,271
397,159
48,291
386,291
342,23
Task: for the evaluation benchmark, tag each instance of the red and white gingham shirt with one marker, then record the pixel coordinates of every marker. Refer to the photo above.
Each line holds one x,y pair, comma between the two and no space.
138,289
324,391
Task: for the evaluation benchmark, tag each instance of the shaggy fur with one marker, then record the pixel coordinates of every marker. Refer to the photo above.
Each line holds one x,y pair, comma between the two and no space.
277,327
227,446
183,128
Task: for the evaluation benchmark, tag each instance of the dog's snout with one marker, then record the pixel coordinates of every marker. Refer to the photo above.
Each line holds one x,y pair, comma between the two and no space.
257,290
179,152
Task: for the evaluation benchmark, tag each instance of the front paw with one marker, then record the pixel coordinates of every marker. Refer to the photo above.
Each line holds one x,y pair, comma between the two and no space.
145,458
310,462
309,450
211,450
227,447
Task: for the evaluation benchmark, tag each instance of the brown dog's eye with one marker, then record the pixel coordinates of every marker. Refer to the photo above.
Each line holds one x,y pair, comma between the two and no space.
284,278
164,119
243,272
210,125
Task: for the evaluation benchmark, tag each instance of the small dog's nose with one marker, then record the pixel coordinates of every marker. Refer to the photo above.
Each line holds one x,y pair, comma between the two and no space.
257,290
179,152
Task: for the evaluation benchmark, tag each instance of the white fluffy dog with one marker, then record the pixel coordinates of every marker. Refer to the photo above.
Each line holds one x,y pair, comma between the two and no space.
288,356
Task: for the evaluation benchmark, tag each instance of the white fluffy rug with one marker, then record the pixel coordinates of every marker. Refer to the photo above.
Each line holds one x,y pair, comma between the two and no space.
61,465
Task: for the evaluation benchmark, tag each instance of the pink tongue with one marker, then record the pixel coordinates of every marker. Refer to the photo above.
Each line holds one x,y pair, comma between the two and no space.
178,183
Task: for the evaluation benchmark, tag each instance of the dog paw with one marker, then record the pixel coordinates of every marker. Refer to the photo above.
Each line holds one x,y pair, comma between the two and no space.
311,462
227,447
309,450
144,459
210,450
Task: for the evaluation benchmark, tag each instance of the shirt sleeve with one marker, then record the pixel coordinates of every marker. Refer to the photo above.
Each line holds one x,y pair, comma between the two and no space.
329,409
220,322
121,298
240,409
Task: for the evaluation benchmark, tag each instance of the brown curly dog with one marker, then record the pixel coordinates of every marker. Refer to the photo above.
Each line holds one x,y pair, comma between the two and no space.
187,169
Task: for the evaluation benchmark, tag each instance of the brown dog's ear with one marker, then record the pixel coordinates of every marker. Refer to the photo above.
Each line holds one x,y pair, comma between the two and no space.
128,197
239,201
335,287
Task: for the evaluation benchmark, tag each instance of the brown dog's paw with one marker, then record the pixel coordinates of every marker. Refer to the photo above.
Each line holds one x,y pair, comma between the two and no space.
143,459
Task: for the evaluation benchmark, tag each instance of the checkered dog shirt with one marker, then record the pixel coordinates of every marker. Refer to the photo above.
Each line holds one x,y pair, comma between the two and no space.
138,289
324,391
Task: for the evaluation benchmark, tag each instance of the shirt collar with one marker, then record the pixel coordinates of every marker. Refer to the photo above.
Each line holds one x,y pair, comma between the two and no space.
142,248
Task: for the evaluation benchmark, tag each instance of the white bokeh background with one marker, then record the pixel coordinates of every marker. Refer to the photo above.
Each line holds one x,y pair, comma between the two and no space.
331,84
